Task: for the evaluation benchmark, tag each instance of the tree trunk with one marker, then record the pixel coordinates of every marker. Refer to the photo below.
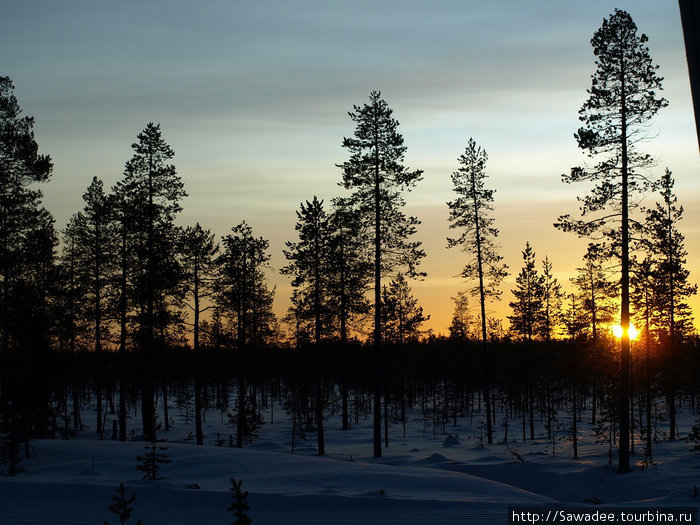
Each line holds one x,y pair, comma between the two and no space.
486,362
197,362
122,339
626,359
318,406
377,416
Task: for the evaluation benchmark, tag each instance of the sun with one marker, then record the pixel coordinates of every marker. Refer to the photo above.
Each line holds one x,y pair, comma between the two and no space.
617,330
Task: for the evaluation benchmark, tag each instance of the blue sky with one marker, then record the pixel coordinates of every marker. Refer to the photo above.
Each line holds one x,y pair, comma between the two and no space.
253,98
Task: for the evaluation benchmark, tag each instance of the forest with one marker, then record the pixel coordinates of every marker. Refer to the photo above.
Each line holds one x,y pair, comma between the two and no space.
110,319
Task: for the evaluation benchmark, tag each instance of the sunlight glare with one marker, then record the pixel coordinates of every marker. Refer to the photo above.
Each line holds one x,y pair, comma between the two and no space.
617,330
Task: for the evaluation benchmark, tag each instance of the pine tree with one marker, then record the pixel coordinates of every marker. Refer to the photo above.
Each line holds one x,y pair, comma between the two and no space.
644,300
349,268
70,301
528,309
96,250
153,191
239,506
10,451
461,327
574,323
595,291
297,320
155,456
528,317
243,295
470,213
122,505
349,272
376,175
402,316
27,274
125,215
308,264
672,281
622,99
21,166
198,252
667,244
249,420
552,299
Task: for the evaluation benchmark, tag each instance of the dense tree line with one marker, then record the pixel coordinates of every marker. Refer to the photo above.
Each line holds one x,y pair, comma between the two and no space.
124,308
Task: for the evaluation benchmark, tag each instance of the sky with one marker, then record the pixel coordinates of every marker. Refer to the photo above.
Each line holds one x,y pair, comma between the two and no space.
254,97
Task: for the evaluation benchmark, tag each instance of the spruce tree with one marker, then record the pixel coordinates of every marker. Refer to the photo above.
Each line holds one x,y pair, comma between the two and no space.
622,99
377,177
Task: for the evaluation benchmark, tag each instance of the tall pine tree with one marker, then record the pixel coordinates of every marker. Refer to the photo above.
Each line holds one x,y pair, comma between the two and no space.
673,287
27,272
377,177
153,191
308,264
622,99
243,295
97,250
198,252
470,214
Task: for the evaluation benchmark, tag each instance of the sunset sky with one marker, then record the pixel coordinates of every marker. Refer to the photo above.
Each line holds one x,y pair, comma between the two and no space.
253,98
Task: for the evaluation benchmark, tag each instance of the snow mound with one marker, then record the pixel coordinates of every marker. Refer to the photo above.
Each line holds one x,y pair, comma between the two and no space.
435,459
451,441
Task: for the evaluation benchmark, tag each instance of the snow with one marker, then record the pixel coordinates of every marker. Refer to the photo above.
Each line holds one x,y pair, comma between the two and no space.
422,478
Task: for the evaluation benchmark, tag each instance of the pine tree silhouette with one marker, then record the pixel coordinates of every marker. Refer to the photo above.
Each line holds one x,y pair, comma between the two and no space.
154,458
122,505
239,506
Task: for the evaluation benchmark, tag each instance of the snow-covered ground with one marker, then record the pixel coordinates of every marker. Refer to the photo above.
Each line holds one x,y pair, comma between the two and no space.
421,478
